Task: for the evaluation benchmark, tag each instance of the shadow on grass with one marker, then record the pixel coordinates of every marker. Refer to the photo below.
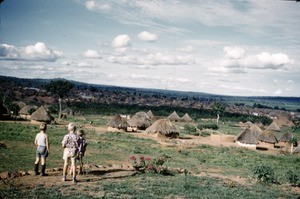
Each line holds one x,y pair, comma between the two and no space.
107,174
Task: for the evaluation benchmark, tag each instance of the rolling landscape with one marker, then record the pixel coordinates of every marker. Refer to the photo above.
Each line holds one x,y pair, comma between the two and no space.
175,99
202,162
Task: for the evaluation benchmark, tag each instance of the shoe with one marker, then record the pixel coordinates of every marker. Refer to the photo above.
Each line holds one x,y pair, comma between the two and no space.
63,179
74,181
43,170
36,169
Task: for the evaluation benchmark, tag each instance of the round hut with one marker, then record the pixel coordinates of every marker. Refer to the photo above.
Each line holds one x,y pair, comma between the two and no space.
117,123
186,118
150,114
284,140
273,127
41,115
163,128
256,130
66,112
174,117
266,140
26,111
140,121
247,139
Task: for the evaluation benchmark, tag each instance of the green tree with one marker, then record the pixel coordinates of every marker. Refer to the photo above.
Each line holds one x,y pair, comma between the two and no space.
218,109
59,88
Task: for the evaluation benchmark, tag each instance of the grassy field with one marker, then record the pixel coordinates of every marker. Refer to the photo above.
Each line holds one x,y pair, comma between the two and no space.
116,148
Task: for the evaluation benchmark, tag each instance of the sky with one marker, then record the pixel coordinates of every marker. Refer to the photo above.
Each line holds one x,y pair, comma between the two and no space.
228,47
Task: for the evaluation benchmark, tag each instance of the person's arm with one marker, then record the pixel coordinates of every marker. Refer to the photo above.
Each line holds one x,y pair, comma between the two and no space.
35,141
47,144
63,143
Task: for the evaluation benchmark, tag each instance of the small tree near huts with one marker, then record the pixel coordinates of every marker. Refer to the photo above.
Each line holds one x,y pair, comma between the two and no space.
60,89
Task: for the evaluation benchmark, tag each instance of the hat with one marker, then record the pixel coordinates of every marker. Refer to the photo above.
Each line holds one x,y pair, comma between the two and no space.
71,126
43,126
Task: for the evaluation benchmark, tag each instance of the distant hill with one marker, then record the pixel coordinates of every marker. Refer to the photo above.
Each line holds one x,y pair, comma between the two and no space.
289,103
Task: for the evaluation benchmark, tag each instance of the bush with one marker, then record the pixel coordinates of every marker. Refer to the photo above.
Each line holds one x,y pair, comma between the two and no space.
208,126
264,174
293,178
190,129
150,165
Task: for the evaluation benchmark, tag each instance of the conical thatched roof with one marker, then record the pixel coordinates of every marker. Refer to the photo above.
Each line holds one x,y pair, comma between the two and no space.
25,110
150,114
273,127
140,120
247,137
267,136
286,137
118,122
68,111
174,117
164,127
256,131
186,118
142,114
21,104
41,115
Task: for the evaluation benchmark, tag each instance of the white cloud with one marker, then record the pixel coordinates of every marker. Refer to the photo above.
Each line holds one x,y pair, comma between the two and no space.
146,36
153,59
36,52
121,41
234,52
235,58
92,5
92,54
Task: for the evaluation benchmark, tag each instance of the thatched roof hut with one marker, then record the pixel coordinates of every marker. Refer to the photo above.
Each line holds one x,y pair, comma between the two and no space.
286,137
268,137
186,118
67,111
41,115
26,109
150,114
20,104
284,140
118,122
247,137
273,127
174,117
163,127
139,121
256,130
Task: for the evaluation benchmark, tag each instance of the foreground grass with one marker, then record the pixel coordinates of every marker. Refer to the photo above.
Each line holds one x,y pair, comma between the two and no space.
116,148
148,185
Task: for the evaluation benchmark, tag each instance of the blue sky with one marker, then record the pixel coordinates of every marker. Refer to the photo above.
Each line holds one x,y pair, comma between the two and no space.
241,48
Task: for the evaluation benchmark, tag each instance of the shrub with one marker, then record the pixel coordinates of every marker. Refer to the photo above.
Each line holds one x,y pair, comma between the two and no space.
264,174
190,129
293,178
208,126
147,164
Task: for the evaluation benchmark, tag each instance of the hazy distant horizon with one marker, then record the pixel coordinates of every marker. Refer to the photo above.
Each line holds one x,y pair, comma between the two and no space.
234,48
144,88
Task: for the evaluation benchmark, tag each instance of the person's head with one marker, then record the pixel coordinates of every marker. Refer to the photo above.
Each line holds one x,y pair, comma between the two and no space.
71,127
43,126
80,132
